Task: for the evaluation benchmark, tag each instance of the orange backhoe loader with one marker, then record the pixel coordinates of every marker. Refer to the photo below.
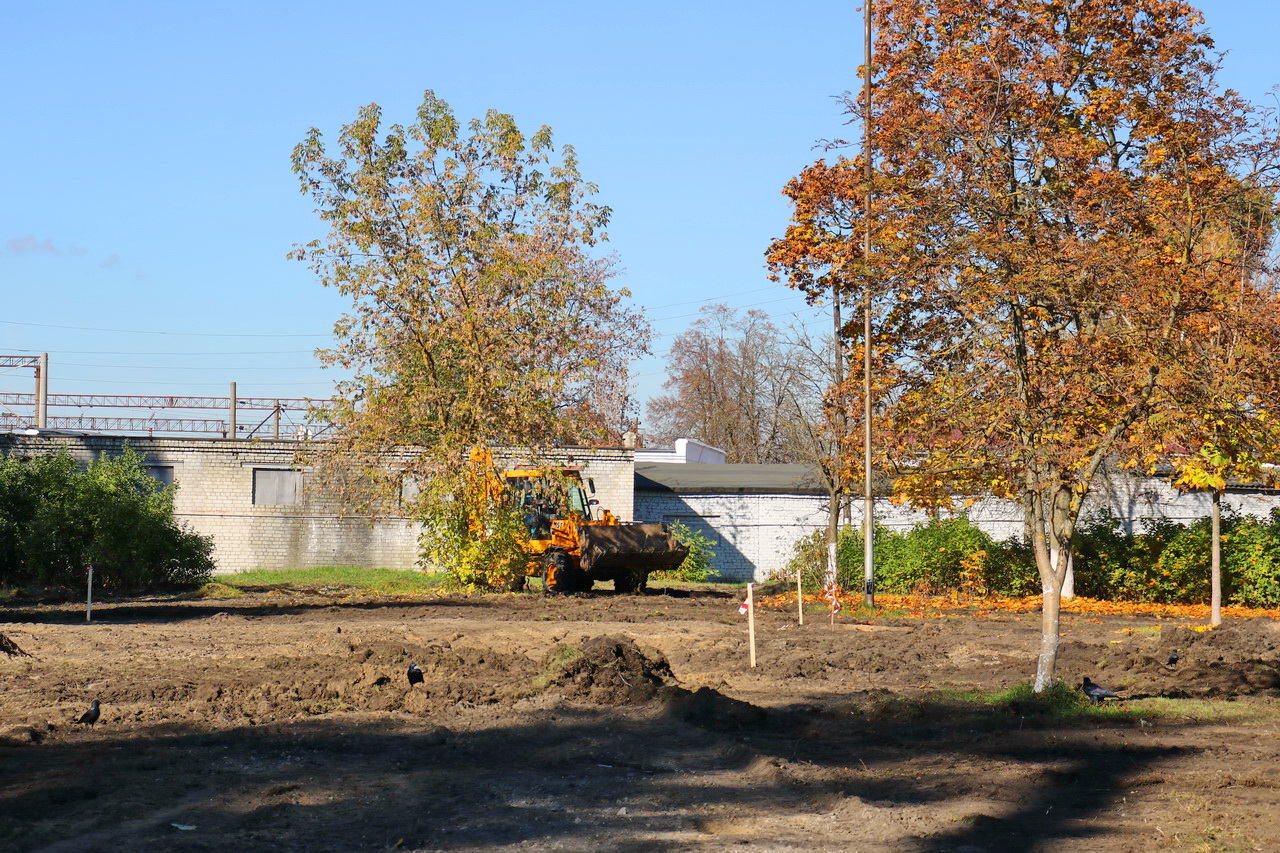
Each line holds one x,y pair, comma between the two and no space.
570,542
569,548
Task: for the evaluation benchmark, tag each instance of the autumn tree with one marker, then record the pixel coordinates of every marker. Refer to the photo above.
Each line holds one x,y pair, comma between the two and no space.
1049,182
1206,448
736,381
481,311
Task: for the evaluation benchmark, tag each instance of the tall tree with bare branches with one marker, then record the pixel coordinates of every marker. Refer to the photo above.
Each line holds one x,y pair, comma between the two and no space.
736,381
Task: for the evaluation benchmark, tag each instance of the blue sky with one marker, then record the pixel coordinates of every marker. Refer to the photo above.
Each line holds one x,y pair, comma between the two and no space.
148,202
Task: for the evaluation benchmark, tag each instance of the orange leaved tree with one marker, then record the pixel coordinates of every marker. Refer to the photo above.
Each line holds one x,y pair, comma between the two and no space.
1051,282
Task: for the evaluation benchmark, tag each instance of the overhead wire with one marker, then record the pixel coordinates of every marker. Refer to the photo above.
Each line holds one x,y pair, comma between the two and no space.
188,367
152,352
226,353
174,334
205,384
171,333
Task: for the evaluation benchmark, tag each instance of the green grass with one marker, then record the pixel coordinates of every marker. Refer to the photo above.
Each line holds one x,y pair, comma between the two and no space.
561,659
214,589
1064,701
356,578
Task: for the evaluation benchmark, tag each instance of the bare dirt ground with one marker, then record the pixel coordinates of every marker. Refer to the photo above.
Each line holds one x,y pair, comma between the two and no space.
603,722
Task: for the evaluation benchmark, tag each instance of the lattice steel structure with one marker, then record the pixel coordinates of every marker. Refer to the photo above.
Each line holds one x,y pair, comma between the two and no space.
14,408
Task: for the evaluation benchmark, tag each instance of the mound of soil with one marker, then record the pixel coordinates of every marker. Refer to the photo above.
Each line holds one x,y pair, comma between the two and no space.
607,670
711,709
10,648
1239,658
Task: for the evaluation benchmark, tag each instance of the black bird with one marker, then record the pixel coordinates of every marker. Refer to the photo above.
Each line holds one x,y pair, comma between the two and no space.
1096,692
90,716
1173,658
415,674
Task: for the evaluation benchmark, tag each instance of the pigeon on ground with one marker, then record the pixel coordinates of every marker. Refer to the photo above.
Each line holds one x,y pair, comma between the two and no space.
1096,692
1173,658
90,716
415,674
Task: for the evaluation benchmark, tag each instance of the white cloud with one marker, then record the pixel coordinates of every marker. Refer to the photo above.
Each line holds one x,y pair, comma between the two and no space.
31,245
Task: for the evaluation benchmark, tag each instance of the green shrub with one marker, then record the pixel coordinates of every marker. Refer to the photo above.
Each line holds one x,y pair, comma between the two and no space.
56,520
696,567
1256,573
810,558
1162,562
1010,568
939,554
1180,573
477,541
929,555
1113,563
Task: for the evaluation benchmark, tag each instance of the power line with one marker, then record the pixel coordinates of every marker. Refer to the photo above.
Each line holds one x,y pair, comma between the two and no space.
327,335
152,382
152,352
182,367
175,334
734,307
708,299
795,313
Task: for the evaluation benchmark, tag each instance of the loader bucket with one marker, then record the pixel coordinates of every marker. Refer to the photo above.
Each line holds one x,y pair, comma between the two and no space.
608,548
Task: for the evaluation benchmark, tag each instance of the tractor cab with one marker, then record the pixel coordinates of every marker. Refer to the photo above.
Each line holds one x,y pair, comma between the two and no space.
542,496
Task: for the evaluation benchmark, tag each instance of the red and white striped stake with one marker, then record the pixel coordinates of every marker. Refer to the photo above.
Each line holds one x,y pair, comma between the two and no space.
833,592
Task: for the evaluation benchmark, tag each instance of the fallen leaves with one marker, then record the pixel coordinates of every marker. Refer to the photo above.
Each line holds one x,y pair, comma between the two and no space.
944,606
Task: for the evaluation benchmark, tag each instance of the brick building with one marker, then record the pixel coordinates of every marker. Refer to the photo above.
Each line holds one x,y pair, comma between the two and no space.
754,514
263,512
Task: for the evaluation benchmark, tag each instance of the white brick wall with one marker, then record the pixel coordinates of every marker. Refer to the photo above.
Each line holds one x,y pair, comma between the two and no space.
755,535
215,498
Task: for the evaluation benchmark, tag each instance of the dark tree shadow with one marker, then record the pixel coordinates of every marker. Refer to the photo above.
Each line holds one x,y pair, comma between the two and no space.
567,775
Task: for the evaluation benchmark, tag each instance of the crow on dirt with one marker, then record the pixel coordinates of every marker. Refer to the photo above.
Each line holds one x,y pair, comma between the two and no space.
1096,692
415,674
1173,658
90,716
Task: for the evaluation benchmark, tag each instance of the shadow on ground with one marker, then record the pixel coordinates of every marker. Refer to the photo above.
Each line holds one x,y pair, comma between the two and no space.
685,768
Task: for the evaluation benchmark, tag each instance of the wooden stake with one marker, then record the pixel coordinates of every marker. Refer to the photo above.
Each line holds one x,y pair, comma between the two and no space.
88,602
800,595
751,621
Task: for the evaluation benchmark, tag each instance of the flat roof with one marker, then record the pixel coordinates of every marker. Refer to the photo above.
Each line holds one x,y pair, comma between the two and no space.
720,479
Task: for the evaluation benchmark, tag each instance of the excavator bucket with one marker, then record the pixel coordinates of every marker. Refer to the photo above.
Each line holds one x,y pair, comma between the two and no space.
607,548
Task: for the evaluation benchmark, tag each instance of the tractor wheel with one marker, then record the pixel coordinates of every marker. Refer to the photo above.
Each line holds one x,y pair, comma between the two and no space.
557,573
631,581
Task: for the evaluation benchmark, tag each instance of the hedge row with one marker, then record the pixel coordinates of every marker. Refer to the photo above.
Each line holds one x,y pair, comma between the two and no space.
1161,561
57,519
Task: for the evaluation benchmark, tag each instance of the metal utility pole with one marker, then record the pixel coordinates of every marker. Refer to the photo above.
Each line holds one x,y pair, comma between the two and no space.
868,506
42,391
830,581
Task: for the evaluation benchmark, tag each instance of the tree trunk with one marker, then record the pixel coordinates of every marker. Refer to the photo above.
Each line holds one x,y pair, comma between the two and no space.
1054,523
1047,661
1069,580
833,539
1215,562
